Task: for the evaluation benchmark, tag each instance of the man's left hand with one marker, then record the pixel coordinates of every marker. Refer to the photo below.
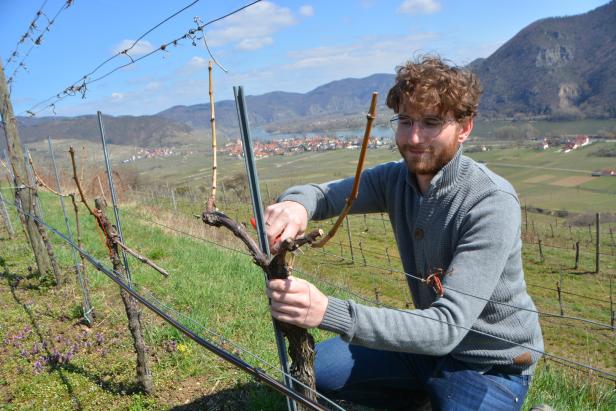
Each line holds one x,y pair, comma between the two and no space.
296,301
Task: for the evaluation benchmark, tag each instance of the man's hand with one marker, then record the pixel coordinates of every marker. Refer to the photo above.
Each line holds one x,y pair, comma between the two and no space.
296,301
283,220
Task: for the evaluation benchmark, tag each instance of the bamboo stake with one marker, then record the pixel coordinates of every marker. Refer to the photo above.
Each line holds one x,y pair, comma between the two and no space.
360,165
211,202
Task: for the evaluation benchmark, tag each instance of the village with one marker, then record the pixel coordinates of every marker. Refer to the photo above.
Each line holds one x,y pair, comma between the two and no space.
294,145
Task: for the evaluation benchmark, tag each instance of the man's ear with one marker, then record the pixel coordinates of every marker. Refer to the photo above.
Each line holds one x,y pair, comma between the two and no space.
465,127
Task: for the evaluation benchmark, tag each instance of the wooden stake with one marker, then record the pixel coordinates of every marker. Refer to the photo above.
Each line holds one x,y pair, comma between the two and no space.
541,252
361,250
560,301
388,260
611,304
577,255
175,206
348,225
598,246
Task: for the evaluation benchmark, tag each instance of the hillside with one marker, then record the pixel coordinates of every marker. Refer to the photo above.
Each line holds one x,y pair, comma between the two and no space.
561,67
129,130
282,110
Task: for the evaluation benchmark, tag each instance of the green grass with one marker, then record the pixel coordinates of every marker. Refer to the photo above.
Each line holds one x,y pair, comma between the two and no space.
223,290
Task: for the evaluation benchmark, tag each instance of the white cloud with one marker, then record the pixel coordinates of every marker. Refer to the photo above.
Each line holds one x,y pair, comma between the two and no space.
197,63
306,10
367,56
254,43
419,7
140,48
115,96
153,85
252,28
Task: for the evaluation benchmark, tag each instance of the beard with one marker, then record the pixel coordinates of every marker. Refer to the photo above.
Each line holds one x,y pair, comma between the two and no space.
431,159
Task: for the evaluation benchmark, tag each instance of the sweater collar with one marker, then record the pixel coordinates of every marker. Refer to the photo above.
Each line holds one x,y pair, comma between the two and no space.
442,181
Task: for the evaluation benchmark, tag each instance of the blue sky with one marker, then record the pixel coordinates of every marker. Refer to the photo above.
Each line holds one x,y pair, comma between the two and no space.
273,45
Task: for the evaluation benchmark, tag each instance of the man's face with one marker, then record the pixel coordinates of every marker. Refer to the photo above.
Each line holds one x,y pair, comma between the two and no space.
426,145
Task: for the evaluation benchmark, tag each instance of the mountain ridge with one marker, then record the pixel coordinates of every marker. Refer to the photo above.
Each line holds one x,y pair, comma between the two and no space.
554,68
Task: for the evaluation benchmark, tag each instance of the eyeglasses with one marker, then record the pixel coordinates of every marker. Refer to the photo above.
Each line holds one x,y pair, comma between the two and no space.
429,127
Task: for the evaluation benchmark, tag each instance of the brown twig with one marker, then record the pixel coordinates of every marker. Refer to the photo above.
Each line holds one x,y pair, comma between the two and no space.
78,226
100,185
360,165
83,163
77,183
5,166
141,258
211,202
39,180
111,238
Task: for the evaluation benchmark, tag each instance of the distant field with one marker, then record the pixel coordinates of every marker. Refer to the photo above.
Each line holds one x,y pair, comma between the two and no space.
545,179
485,128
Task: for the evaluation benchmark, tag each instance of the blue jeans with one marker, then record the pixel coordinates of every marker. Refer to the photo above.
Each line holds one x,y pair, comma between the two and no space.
394,380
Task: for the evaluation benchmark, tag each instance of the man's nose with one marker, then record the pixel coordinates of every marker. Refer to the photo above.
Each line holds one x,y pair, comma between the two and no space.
413,135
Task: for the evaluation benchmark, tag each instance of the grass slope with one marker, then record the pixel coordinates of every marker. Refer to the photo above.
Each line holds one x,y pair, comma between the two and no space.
223,291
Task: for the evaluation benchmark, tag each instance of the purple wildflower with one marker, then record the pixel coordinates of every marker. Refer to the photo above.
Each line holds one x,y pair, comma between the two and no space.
38,367
67,357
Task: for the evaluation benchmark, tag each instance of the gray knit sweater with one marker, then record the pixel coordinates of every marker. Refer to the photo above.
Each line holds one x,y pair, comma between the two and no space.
468,223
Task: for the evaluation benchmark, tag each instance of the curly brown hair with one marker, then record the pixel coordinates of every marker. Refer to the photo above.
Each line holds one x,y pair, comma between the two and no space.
430,82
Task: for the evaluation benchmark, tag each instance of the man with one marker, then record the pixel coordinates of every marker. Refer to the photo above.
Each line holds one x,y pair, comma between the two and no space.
476,345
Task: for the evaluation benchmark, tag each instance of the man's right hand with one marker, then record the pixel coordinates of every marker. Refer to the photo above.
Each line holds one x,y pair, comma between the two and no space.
287,219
